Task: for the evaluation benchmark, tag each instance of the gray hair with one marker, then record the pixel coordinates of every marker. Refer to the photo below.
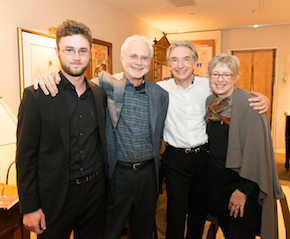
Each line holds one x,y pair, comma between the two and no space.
231,61
182,43
137,38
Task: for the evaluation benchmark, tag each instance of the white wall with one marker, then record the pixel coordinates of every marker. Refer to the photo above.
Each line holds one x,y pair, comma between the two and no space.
107,23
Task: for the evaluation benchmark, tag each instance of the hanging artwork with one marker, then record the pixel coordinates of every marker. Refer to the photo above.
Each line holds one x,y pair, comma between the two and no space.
36,56
206,51
101,59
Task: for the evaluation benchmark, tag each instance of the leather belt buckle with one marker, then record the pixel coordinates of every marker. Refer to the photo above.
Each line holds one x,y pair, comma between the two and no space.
92,175
88,177
187,151
195,150
136,166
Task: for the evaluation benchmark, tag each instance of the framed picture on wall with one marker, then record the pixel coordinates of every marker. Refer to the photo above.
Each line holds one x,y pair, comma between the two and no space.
206,51
36,56
101,58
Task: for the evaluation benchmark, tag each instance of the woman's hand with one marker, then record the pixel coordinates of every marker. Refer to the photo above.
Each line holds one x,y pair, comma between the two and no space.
237,203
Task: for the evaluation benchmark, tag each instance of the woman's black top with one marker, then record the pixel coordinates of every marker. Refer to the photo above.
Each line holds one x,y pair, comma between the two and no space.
222,182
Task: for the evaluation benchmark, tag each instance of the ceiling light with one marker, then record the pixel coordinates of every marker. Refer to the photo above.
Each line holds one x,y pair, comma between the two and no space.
182,3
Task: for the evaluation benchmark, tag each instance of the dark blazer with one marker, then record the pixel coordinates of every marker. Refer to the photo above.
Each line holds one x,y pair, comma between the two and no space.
43,146
158,103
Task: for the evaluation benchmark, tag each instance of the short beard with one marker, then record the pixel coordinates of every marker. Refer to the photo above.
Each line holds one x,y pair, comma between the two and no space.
71,73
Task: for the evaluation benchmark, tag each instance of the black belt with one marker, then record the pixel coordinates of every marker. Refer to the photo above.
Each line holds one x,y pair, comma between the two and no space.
88,177
135,166
195,150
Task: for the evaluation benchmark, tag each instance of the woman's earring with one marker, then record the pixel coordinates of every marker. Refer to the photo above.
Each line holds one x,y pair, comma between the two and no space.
235,83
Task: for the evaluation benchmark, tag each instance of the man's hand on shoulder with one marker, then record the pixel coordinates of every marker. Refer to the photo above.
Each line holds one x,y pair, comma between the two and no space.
48,83
119,76
35,221
260,102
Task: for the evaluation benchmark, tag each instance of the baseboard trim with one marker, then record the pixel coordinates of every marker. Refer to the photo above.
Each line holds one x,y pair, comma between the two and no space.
281,151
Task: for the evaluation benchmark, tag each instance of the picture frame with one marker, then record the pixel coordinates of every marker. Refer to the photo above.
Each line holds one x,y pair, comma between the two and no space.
101,54
206,51
36,56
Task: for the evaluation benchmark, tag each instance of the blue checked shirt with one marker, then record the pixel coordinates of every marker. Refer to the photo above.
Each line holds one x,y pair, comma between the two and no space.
133,132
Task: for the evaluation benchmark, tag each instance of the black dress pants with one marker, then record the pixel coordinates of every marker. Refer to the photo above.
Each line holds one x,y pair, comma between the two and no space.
134,197
186,192
83,211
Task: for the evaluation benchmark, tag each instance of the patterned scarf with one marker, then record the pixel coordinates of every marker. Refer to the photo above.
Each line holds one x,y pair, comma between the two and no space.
221,111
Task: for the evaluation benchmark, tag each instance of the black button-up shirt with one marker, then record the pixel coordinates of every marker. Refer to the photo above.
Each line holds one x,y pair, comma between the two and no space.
85,155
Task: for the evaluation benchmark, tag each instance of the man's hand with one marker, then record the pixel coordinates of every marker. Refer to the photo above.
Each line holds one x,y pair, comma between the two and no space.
237,203
35,221
119,76
48,83
260,102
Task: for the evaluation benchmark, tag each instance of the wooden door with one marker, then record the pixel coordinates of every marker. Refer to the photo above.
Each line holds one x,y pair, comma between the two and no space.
257,69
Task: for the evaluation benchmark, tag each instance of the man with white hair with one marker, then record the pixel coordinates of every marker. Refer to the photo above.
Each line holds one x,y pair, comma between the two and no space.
136,110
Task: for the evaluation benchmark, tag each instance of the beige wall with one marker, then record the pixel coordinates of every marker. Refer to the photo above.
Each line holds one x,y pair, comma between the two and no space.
107,23
268,37
210,35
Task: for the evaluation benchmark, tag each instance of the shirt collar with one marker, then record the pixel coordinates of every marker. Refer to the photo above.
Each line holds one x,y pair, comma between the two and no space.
66,82
191,84
144,81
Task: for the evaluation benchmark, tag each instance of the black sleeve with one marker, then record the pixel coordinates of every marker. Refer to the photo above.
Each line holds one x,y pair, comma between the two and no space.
247,186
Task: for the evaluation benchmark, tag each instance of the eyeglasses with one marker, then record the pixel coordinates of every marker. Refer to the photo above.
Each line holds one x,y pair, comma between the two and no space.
143,59
71,51
225,76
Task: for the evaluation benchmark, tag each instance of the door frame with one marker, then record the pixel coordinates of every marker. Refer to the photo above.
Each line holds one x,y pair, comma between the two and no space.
275,90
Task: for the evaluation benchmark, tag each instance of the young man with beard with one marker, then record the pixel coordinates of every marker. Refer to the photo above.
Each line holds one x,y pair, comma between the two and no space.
62,167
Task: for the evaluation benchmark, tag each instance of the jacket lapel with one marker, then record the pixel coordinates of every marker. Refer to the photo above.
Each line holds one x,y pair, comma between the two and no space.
115,105
97,104
62,115
153,102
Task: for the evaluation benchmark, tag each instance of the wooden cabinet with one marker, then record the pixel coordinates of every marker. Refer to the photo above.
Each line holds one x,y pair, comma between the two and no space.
158,62
11,226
